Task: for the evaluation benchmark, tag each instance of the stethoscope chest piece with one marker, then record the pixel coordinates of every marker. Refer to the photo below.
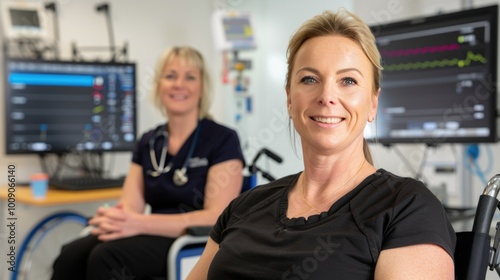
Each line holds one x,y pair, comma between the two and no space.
180,177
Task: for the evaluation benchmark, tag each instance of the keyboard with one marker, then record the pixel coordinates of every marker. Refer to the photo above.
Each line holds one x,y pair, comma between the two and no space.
85,183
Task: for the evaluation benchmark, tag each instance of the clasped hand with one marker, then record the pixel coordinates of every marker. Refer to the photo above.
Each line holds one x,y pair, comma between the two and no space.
112,223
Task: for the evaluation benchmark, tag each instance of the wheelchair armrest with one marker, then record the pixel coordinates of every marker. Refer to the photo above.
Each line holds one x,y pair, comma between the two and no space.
198,230
194,236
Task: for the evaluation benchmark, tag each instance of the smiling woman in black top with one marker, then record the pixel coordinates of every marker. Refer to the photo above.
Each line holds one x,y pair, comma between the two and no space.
341,217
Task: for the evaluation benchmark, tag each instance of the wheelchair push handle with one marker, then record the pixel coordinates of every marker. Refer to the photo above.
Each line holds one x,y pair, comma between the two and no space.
264,151
272,155
487,206
493,187
265,174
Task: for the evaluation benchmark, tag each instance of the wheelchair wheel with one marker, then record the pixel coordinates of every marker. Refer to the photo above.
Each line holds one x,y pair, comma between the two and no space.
42,245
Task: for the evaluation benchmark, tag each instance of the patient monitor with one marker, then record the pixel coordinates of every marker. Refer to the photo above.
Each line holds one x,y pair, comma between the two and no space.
24,20
233,31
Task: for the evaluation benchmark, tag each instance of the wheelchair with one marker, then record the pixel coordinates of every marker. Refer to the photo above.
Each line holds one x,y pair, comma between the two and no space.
475,252
35,255
36,252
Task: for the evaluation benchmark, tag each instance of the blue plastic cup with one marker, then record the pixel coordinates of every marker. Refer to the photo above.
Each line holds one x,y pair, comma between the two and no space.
39,184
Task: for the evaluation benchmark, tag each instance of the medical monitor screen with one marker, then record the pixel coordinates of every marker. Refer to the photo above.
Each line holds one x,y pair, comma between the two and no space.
20,18
439,79
239,31
233,31
62,106
23,20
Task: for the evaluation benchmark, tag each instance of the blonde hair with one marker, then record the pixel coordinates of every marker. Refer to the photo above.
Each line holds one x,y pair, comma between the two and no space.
345,24
194,58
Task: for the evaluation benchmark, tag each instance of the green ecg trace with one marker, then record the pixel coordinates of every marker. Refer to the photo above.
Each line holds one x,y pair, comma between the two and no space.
437,63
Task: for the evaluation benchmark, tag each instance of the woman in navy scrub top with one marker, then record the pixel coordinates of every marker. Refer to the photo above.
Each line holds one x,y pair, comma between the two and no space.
340,218
187,170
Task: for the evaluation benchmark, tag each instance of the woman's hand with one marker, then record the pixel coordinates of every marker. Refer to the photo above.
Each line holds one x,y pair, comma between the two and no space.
114,223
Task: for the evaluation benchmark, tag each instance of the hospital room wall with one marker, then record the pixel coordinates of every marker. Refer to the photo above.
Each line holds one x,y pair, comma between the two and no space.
152,25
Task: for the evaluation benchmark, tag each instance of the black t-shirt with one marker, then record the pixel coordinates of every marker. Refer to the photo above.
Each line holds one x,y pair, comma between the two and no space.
257,241
216,143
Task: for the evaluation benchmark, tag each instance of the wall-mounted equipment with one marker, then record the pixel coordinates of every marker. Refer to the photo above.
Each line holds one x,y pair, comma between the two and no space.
116,53
233,31
24,20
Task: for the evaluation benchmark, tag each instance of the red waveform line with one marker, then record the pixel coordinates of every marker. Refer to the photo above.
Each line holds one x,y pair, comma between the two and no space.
423,50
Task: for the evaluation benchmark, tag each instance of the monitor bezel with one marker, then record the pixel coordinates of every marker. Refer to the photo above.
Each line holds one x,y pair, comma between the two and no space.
490,12
8,108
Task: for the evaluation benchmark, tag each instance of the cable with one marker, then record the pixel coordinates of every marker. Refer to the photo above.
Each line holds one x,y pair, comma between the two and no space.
489,153
422,163
418,174
472,165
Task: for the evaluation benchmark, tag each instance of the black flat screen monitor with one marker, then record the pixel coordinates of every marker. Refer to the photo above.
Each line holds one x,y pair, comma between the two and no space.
64,106
439,79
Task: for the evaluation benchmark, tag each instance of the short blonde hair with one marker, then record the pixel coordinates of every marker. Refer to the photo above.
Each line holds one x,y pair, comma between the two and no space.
194,58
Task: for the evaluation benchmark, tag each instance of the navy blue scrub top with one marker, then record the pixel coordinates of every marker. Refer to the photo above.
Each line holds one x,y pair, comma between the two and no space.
216,144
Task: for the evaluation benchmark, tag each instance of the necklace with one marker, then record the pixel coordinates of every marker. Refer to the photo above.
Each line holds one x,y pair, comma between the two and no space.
330,195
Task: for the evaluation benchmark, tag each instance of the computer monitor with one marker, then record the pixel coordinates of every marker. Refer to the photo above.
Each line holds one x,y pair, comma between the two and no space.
64,106
439,79
24,20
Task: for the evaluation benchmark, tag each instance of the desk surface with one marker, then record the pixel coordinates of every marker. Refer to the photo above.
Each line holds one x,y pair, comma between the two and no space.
61,197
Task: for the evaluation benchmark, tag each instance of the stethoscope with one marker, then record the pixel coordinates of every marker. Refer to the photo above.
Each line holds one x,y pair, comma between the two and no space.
180,177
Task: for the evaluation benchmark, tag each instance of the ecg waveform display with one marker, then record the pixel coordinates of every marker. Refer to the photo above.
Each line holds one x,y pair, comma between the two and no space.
420,50
438,79
469,59
457,46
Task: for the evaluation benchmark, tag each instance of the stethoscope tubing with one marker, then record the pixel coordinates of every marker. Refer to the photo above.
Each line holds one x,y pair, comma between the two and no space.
160,168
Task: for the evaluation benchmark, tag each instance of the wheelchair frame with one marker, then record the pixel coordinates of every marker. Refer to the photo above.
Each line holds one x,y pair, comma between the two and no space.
474,253
36,235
